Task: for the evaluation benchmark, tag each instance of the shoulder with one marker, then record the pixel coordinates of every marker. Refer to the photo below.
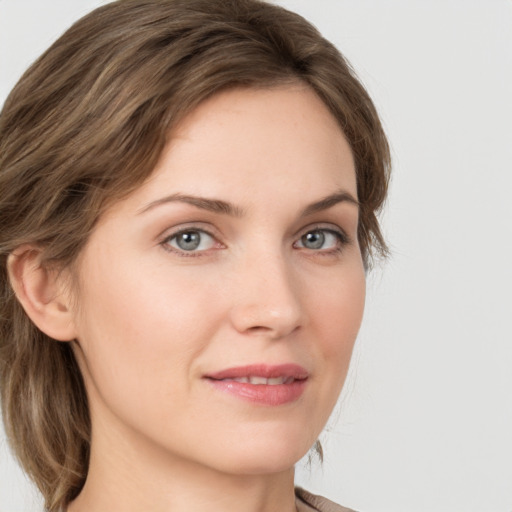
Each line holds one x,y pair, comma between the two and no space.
308,502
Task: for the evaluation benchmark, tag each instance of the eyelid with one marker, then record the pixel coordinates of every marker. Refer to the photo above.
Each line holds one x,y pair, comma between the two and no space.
169,234
333,228
180,227
341,234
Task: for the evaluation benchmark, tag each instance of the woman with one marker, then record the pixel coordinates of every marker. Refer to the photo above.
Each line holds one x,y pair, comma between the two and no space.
189,199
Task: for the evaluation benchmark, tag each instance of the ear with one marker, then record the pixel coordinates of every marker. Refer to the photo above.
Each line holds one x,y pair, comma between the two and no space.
42,293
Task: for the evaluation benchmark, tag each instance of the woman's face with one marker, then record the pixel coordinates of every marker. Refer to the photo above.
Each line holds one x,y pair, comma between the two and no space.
219,303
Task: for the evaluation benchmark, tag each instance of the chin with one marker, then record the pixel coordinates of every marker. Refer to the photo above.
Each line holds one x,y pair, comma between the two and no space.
261,454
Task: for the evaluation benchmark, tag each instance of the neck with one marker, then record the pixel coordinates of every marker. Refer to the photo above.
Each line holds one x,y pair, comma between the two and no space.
133,476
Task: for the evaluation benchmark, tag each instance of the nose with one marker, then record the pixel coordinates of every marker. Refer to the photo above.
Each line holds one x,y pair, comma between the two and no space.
266,299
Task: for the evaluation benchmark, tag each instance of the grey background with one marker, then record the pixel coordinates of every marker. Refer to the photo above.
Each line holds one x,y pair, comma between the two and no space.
426,417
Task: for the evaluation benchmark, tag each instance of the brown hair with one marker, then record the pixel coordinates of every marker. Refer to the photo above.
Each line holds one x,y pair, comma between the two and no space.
86,125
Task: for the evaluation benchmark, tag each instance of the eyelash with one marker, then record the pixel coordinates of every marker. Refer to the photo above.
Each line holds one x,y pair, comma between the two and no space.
342,240
165,243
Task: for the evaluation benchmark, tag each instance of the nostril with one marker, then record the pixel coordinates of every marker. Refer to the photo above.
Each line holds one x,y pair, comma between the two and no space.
259,329
272,333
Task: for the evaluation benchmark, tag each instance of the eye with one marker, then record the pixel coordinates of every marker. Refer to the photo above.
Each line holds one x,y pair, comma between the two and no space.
321,239
190,240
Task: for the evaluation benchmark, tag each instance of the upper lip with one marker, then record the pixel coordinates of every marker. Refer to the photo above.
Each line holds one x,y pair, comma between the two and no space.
261,370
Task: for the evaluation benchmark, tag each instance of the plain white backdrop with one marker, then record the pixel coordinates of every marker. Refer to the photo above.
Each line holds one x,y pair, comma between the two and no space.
425,422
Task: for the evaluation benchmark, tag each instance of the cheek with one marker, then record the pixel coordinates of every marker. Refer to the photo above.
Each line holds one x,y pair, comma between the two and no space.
144,323
338,310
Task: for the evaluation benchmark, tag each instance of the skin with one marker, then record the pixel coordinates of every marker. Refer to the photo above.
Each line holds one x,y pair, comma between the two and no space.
152,319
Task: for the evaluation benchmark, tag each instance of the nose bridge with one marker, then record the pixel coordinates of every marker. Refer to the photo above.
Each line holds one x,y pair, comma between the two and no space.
268,294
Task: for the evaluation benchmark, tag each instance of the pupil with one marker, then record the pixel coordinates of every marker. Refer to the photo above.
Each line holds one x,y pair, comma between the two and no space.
189,240
313,240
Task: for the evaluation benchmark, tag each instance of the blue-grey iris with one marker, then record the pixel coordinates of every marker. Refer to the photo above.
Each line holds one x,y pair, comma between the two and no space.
188,241
313,240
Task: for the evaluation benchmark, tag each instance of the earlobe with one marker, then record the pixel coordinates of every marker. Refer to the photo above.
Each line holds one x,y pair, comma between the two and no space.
42,293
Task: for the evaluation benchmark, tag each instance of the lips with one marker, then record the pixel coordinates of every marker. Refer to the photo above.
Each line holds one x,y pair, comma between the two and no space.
258,381
263,384
293,371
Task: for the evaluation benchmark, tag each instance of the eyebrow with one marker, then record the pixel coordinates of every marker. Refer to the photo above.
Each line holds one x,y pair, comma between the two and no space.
204,203
329,201
226,208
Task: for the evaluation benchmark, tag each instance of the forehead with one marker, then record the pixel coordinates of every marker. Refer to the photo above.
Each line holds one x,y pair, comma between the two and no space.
250,144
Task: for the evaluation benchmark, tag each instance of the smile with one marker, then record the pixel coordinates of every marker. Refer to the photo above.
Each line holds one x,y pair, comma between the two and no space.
262,384
258,381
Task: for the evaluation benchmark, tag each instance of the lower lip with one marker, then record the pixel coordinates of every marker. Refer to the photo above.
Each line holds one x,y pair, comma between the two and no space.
264,394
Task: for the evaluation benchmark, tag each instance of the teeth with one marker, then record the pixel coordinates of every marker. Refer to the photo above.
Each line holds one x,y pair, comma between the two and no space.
263,381
258,380
276,380
241,379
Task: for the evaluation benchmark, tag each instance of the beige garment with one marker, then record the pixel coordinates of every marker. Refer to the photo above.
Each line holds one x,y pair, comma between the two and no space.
307,502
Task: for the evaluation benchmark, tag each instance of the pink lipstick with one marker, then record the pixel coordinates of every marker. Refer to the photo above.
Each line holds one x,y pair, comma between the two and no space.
263,384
